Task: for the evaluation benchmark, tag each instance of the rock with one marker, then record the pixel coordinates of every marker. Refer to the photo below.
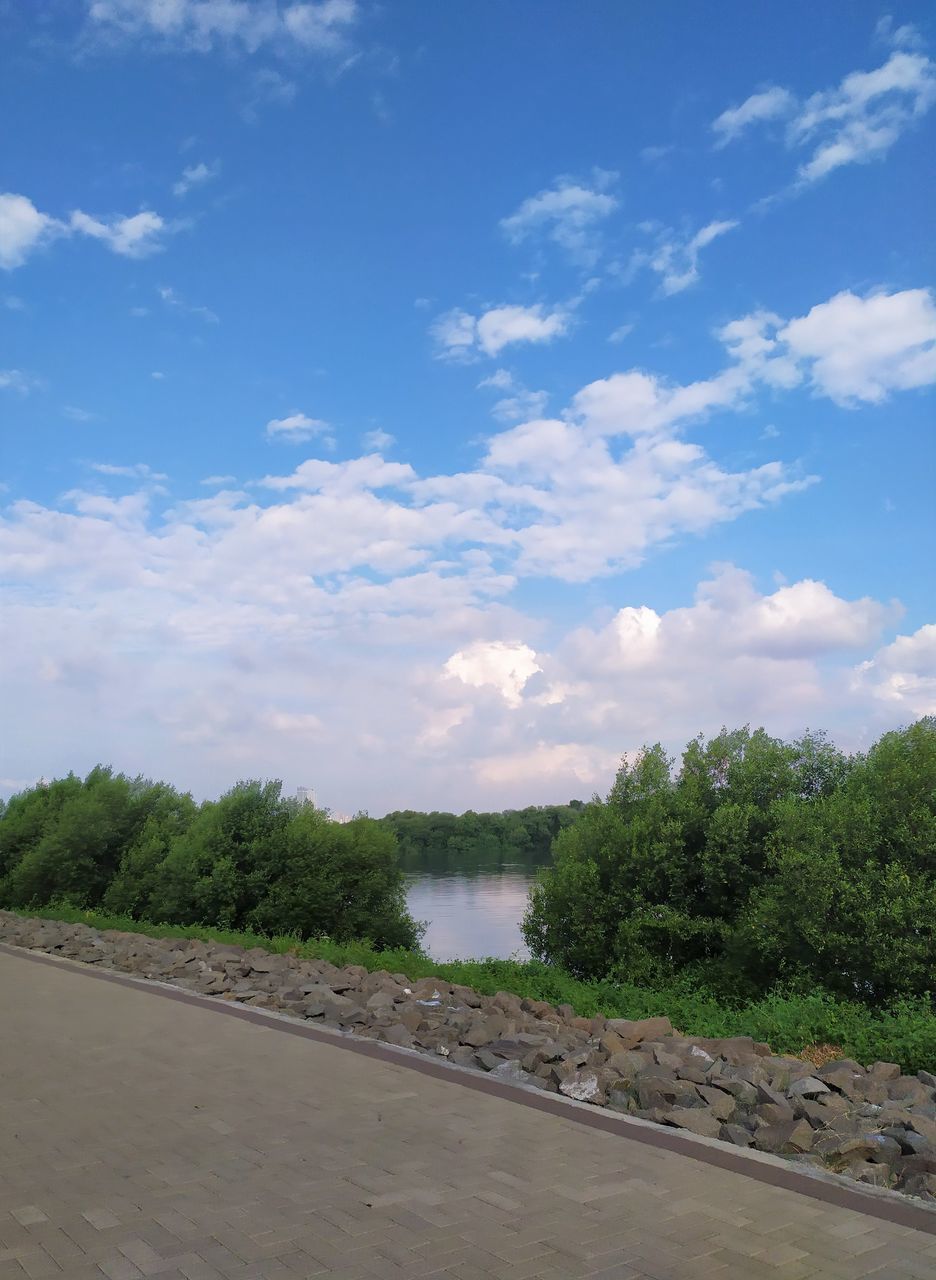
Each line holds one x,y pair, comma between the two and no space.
487,1060
744,1094
807,1087
910,1091
581,1085
876,1175
790,1136
633,1032
767,1094
927,1078
736,1134
508,1004
884,1071
484,1030
512,1072
380,1000
721,1105
396,1034
629,1062
700,1120
925,1127
774,1113
910,1142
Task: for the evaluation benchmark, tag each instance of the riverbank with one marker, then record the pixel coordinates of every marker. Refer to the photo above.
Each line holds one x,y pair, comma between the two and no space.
802,1025
876,1125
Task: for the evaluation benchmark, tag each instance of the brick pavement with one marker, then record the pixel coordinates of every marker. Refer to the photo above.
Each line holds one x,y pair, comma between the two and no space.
142,1136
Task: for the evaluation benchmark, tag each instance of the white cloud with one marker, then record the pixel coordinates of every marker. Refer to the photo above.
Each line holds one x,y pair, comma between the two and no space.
23,229
203,25
377,440
171,299
505,667
502,326
77,414
136,236
266,85
621,332
857,121
157,375
17,380
298,426
769,104
520,403
862,349
135,471
676,258
902,674
568,213
459,335
195,175
203,638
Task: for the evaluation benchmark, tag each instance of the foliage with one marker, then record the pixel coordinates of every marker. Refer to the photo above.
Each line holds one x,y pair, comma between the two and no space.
251,859
789,1022
756,863
479,843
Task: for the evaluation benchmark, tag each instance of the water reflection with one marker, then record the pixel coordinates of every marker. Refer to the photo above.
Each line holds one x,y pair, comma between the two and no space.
471,916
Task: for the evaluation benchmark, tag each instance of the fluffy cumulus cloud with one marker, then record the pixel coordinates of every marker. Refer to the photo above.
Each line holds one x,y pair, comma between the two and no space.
854,122
902,674
23,228
862,349
320,26
502,666
459,335
568,213
354,624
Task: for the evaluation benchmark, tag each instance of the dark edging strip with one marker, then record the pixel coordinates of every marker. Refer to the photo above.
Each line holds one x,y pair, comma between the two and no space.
891,1209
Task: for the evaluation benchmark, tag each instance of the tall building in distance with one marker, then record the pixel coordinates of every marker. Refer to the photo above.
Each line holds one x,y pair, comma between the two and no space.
305,795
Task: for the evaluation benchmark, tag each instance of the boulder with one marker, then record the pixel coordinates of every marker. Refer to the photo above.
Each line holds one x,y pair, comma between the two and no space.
884,1071
807,1087
634,1032
700,1120
736,1134
582,1085
512,1072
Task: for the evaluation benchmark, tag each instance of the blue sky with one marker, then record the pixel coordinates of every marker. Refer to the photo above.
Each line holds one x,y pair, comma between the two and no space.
431,403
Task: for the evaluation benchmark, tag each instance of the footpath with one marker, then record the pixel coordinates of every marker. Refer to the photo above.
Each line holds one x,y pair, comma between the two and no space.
152,1136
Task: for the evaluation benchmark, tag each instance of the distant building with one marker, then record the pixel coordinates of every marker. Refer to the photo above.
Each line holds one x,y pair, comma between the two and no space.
305,795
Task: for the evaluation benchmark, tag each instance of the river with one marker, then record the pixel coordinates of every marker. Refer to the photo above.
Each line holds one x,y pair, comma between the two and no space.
471,916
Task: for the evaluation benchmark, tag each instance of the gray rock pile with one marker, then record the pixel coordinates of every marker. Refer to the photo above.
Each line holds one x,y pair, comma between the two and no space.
873,1124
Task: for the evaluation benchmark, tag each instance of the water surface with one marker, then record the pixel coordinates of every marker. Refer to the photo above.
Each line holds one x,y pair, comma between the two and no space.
471,916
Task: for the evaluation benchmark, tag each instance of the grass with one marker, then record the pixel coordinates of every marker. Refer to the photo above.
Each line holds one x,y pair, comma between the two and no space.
790,1023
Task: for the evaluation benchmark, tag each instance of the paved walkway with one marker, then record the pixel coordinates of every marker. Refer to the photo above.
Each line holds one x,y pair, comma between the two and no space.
142,1136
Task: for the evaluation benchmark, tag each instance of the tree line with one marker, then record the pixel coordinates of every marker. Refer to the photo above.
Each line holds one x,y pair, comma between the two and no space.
479,843
252,860
754,863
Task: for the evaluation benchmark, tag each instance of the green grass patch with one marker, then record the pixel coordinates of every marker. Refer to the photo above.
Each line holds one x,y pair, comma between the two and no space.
789,1022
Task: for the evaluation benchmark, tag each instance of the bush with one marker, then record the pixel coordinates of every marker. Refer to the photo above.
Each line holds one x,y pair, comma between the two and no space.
251,859
758,863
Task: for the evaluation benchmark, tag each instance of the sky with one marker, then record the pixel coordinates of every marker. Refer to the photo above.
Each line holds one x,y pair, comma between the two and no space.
432,403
